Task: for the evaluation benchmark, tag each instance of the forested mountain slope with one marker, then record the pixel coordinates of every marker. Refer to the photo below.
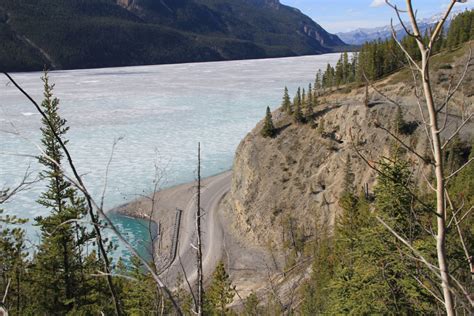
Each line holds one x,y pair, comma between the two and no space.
103,33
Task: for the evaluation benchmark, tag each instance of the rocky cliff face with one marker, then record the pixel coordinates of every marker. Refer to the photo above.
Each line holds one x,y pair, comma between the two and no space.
298,175
251,20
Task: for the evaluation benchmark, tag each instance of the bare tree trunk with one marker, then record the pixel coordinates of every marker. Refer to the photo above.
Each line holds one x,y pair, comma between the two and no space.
440,186
424,69
200,289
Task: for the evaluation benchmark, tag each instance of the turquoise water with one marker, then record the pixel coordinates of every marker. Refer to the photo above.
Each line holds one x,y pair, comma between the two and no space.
139,231
160,113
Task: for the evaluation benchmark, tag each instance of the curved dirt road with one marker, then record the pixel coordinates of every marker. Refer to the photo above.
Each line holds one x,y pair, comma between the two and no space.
212,234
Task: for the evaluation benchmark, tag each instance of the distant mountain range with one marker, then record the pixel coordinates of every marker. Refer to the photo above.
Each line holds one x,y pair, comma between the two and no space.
362,35
65,34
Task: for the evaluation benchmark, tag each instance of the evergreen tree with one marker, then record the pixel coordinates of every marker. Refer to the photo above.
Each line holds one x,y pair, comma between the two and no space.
220,293
141,295
339,75
321,127
60,273
251,307
286,104
371,276
400,124
298,114
316,291
309,112
13,263
310,102
346,68
268,129
318,82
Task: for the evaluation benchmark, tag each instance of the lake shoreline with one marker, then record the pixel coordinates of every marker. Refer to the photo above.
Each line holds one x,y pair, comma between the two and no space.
160,208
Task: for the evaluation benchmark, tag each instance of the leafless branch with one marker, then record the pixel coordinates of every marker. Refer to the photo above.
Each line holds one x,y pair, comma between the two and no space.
5,294
107,168
429,290
439,26
460,169
24,184
430,266
465,215
463,123
450,92
420,109
102,274
379,125
461,238
455,212
187,280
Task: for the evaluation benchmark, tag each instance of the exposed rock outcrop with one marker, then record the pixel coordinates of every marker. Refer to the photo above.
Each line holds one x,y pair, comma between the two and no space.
299,173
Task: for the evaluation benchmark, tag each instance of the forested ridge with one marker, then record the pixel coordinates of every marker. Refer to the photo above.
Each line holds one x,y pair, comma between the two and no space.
378,59
101,33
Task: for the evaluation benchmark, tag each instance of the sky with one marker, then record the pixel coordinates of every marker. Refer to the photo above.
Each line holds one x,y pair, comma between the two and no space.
344,15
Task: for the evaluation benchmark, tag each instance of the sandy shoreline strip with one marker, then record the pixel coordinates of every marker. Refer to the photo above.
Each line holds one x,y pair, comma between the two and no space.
163,213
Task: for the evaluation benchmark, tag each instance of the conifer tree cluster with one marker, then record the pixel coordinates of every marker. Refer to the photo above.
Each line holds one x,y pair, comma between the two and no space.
460,31
362,269
302,107
379,58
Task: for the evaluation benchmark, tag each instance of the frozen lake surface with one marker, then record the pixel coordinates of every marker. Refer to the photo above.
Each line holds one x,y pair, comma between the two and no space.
160,112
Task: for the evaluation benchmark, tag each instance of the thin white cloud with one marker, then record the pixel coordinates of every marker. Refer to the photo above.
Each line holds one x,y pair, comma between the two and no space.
377,3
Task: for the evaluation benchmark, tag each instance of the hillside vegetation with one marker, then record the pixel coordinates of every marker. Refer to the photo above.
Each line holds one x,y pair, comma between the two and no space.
103,33
301,188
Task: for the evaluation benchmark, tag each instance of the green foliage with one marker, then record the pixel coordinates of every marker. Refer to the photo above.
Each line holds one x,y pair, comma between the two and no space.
268,129
13,262
297,107
61,268
380,58
315,291
399,121
286,103
363,269
309,111
183,297
99,33
251,307
220,293
461,29
140,294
